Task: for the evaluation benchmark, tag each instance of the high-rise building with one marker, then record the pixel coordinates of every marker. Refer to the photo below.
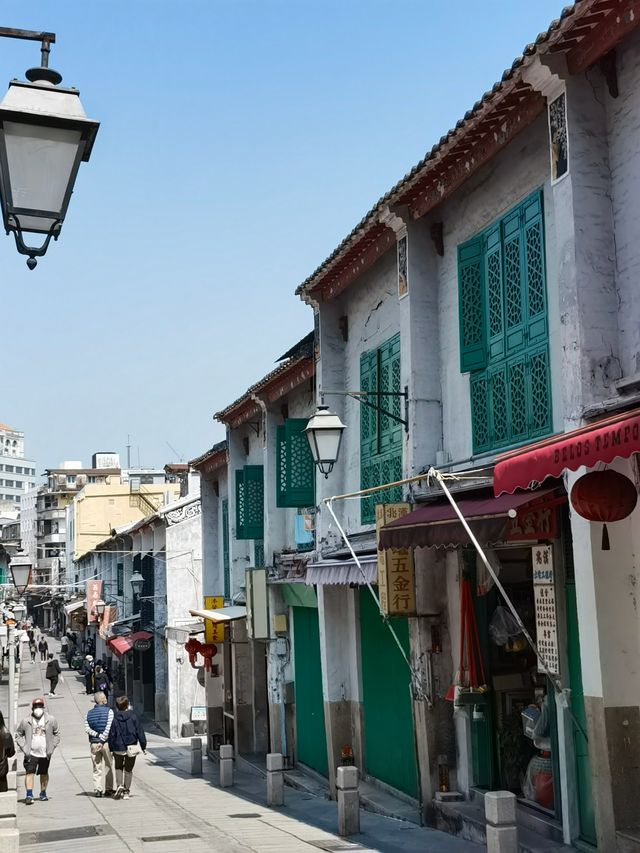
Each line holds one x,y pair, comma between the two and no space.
17,473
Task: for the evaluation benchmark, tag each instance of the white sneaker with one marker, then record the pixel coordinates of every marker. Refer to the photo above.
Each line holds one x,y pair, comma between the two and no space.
126,795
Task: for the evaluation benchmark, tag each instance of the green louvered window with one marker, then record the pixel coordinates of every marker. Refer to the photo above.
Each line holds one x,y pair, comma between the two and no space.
226,564
250,502
295,479
504,339
380,435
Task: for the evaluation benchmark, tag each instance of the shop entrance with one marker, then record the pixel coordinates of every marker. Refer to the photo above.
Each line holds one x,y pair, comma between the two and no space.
514,732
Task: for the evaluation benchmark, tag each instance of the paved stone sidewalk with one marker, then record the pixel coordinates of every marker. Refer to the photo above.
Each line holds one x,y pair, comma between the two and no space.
171,811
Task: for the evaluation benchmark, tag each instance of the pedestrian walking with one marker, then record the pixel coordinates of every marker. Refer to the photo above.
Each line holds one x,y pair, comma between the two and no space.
98,726
37,736
53,673
32,650
43,648
87,671
7,751
126,740
101,681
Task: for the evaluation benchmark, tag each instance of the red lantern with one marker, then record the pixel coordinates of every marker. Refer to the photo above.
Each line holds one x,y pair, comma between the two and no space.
208,651
604,496
192,648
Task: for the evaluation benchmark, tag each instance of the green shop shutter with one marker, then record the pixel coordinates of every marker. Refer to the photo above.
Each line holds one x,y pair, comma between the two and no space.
295,480
473,342
534,265
240,504
253,502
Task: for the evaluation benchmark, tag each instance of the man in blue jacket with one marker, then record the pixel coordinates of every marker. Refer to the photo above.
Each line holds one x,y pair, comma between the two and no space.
98,727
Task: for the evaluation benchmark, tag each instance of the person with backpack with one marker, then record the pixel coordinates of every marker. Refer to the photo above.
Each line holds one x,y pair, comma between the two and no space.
101,681
97,726
43,648
7,751
126,740
53,673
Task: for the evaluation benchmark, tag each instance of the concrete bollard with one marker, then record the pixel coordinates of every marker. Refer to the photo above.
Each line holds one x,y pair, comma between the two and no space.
226,766
196,756
502,830
9,840
348,801
275,779
12,780
8,809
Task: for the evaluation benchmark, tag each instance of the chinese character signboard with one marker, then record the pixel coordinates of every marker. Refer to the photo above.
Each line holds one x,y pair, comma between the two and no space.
544,594
213,631
396,575
533,522
94,594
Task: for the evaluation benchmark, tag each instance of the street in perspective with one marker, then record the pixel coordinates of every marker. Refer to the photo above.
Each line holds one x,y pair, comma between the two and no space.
318,527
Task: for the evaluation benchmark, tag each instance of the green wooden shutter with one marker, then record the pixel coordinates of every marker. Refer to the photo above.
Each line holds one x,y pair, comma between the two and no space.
479,386
281,466
473,341
539,392
495,292
226,565
301,471
518,398
240,504
516,335
368,416
534,265
390,431
253,502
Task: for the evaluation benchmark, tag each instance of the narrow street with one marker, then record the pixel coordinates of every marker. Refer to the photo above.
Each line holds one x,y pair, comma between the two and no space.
170,810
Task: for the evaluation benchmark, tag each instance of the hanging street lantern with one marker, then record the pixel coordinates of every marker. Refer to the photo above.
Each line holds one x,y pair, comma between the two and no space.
137,583
99,607
324,432
604,496
21,568
44,136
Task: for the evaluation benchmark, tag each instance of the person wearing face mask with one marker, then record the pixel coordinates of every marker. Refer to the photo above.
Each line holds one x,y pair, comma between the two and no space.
37,737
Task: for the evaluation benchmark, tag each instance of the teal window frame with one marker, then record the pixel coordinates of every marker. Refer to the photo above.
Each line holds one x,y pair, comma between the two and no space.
504,330
380,435
295,470
250,502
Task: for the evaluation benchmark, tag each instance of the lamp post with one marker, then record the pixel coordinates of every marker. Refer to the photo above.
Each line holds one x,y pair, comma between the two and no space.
44,136
137,583
20,567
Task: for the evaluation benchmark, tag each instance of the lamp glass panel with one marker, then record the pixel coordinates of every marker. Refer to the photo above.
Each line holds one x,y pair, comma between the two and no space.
327,443
21,575
40,161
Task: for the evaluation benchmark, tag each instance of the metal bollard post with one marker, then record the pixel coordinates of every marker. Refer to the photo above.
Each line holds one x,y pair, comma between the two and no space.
275,779
348,801
226,766
196,756
502,830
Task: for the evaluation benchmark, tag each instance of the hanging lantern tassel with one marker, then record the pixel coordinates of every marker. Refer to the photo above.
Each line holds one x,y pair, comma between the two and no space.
605,538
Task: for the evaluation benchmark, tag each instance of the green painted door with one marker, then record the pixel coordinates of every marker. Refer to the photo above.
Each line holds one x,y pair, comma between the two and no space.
389,745
311,739
583,767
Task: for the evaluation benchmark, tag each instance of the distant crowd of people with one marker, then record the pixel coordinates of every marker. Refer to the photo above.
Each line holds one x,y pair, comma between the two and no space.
116,736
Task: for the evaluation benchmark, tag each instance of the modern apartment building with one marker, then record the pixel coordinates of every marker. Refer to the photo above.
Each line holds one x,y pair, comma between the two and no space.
17,474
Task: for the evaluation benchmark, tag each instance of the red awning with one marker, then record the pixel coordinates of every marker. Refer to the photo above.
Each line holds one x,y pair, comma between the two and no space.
617,436
124,644
437,525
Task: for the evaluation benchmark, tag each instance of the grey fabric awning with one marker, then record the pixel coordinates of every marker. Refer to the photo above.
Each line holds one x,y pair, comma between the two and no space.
343,572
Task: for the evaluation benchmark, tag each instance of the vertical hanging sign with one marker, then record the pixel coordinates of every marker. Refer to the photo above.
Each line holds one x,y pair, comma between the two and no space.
213,631
544,594
396,575
94,594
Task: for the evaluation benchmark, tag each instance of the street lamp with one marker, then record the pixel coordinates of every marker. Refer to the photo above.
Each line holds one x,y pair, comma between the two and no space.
137,583
19,611
324,432
20,567
99,607
44,136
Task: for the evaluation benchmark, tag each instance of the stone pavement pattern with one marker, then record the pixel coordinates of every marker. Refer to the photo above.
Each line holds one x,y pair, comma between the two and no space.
171,811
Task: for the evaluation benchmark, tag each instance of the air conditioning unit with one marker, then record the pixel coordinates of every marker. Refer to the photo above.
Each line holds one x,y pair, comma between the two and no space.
61,479
81,480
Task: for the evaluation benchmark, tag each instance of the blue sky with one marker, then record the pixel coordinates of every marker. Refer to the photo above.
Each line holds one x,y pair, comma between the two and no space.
239,143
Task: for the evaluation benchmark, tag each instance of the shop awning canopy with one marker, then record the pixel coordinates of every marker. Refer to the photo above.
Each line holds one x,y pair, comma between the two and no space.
75,605
343,572
122,645
603,441
221,614
437,524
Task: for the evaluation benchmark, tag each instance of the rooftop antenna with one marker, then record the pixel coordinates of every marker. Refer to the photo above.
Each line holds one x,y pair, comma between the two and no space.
128,451
177,452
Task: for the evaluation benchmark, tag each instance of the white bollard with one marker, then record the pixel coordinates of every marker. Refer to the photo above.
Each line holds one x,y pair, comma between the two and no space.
275,779
196,756
226,766
502,830
348,801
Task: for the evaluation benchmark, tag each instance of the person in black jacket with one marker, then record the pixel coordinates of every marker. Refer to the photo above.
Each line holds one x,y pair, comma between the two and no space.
7,751
53,674
126,740
43,648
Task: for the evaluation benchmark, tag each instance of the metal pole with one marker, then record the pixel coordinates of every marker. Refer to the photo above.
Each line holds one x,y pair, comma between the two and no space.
11,640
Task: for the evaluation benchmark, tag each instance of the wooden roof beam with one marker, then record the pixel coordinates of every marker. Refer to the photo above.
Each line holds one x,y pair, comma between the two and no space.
623,19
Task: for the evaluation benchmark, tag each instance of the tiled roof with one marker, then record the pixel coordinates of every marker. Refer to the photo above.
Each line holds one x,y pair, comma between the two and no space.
565,33
220,447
